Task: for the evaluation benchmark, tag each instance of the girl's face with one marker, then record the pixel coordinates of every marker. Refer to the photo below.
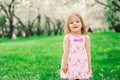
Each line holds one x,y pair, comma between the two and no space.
75,24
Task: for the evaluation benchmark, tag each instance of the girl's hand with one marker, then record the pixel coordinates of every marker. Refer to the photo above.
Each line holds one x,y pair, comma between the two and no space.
65,68
89,67
90,70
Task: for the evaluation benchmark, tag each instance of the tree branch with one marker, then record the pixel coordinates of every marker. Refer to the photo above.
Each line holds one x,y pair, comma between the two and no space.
19,20
116,5
33,21
11,8
101,3
4,9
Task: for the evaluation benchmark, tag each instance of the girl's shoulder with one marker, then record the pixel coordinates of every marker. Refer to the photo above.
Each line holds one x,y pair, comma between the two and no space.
67,35
87,37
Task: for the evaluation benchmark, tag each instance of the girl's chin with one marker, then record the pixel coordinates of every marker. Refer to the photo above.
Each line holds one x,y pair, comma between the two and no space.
76,30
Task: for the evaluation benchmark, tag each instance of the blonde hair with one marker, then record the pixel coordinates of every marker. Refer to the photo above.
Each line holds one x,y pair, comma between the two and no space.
66,27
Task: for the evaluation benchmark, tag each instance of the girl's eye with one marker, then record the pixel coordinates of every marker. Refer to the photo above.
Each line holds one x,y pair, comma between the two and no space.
77,21
71,22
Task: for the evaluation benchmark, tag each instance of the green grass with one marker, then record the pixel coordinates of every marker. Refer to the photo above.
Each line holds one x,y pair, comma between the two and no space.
39,58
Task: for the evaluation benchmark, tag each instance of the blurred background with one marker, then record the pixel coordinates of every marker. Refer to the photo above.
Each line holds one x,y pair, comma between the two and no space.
28,17
31,34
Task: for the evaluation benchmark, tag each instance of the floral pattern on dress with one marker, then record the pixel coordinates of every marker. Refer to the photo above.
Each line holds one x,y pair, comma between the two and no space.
77,59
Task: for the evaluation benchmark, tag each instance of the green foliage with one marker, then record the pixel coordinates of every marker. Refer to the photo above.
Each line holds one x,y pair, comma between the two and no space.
39,58
2,20
111,16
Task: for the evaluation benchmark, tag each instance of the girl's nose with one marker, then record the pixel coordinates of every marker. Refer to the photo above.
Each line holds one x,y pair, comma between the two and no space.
74,23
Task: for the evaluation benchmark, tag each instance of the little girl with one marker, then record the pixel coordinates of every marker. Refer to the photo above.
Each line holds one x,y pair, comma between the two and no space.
76,59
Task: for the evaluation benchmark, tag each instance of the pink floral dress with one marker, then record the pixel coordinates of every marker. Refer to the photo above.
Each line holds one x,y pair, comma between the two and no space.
77,59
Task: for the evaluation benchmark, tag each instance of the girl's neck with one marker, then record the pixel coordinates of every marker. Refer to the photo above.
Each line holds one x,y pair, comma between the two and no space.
76,33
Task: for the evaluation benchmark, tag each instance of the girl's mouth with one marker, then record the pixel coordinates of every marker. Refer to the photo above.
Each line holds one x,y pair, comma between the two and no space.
75,27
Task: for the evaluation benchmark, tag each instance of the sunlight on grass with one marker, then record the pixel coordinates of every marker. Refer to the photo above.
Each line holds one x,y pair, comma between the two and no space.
39,58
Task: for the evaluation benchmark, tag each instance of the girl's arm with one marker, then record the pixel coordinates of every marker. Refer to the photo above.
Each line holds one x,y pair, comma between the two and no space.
65,54
87,45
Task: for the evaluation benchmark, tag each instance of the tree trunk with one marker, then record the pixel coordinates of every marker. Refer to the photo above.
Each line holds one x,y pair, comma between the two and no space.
11,29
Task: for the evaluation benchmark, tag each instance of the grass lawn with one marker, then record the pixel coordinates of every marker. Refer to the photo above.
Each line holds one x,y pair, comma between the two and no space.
39,58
